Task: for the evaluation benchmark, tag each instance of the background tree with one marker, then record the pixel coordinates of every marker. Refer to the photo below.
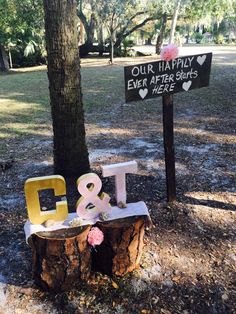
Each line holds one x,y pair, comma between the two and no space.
208,15
120,18
70,150
86,11
161,33
174,20
22,31
22,28
134,19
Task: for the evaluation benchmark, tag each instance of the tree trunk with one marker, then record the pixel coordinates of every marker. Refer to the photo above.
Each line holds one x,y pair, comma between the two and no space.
174,21
81,34
161,34
111,51
149,41
100,40
187,31
112,41
89,30
70,150
10,58
121,250
61,258
4,65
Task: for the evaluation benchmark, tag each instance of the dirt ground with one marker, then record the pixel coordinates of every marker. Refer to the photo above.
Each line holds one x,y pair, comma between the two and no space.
189,259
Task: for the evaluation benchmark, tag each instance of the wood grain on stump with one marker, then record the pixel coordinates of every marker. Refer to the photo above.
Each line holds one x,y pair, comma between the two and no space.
61,258
122,247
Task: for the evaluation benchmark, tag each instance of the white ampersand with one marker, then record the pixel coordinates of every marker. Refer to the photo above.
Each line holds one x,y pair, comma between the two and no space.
89,195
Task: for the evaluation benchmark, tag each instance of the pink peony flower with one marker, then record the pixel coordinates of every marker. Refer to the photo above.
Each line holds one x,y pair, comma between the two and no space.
169,52
95,236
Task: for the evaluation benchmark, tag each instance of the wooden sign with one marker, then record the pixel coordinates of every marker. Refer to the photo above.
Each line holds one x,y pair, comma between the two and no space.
161,78
164,78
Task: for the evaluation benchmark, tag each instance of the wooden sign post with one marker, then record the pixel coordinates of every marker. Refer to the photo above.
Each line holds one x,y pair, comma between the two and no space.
168,134
164,78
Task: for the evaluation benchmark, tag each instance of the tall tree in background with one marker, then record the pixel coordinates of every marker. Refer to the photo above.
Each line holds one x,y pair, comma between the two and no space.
89,22
70,150
174,21
161,34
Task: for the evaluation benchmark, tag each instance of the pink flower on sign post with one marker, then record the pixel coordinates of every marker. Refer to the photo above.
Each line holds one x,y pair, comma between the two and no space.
95,236
169,52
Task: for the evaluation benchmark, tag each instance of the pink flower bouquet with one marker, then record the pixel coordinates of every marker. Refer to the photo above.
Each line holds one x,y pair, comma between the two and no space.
95,236
169,52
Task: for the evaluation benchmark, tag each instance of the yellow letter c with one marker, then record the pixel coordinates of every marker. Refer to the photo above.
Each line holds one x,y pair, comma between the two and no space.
32,186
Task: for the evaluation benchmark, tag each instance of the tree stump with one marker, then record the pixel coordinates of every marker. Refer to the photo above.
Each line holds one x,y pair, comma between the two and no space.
121,250
61,258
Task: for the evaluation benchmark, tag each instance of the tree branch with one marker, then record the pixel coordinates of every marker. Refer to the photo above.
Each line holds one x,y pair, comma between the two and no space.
83,19
130,20
124,33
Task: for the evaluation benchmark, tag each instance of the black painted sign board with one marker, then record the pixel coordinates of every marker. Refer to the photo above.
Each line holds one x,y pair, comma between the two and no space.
149,80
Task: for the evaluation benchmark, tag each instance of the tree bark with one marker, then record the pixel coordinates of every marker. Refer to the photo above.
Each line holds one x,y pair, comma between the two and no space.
70,150
61,258
4,64
161,34
121,250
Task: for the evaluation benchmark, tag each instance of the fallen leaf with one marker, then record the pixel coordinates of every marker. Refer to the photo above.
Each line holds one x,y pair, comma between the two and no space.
176,278
114,285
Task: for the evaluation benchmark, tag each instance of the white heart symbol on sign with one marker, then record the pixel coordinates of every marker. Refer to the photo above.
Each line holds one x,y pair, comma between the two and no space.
186,85
201,59
143,92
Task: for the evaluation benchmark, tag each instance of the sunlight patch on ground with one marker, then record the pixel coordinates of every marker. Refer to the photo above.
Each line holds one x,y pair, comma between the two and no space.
214,137
134,144
15,105
94,130
205,217
11,94
101,154
30,69
158,165
11,130
183,260
225,63
216,196
199,149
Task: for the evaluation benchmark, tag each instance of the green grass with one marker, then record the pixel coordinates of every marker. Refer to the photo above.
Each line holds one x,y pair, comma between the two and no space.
102,86
25,104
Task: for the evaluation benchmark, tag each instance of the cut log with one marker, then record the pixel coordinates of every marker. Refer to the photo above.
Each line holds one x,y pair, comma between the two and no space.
61,258
121,250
